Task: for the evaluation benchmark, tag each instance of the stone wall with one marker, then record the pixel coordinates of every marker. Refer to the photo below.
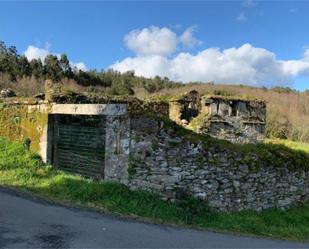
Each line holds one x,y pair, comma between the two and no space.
182,111
25,121
153,153
171,165
235,120
135,106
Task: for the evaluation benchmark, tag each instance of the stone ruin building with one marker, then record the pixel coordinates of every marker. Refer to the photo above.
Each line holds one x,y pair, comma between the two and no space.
116,140
233,119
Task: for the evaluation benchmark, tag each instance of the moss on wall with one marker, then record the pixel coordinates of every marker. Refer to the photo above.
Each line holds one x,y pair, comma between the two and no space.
19,122
175,111
136,107
200,123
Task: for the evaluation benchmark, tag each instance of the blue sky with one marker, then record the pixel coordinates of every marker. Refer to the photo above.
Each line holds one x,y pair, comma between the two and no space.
93,32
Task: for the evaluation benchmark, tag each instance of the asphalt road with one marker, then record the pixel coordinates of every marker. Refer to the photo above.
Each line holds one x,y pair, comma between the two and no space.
26,222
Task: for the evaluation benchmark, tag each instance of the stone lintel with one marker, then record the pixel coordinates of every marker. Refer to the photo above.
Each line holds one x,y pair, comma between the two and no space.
90,109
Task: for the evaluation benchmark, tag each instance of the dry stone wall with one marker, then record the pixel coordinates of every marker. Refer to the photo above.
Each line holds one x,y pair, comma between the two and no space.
176,168
148,153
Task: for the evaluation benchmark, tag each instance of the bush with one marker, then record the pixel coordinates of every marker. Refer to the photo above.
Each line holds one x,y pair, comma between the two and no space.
277,126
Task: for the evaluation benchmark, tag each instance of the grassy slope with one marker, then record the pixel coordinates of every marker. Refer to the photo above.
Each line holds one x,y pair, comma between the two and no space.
291,144
23,171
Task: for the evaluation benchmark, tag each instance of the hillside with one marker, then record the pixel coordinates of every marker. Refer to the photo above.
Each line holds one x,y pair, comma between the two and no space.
288,110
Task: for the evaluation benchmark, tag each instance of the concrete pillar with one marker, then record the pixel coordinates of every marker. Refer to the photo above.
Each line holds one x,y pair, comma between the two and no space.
117,148
46,141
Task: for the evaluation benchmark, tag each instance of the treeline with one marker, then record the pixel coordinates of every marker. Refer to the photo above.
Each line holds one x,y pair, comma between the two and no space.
287,114
59,69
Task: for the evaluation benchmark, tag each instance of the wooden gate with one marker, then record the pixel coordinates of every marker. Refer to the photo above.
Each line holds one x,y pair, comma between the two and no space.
79,144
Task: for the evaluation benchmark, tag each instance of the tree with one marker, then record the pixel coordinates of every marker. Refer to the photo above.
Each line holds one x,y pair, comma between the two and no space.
36,67
123,84
9,60
64,64
52,68
57,68
24,68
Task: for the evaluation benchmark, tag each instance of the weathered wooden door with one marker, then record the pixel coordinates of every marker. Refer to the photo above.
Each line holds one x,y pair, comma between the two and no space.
79,144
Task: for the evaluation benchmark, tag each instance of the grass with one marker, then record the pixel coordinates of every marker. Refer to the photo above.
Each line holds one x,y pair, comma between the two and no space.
291,144
24,171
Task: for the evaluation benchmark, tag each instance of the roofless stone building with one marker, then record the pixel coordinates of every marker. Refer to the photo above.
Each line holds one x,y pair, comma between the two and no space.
134,143
229,118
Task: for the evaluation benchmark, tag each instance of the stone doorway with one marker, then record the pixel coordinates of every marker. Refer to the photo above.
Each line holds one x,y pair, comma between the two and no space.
78,144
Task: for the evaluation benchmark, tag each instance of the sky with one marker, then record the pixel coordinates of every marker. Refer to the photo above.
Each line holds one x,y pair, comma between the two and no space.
258,43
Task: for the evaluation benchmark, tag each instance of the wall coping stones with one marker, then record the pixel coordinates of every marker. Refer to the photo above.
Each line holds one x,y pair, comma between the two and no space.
90,109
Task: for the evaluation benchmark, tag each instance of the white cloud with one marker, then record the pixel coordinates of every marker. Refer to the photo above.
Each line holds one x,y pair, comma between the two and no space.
152,41
159,41
33,52
297,67
243,65
79,66
148,66
187,38
241,17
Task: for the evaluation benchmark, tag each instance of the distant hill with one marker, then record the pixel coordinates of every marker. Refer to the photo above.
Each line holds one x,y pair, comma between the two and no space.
288,110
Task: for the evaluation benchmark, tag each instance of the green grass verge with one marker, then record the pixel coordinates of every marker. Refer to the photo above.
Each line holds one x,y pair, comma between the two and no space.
24,171
291,144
